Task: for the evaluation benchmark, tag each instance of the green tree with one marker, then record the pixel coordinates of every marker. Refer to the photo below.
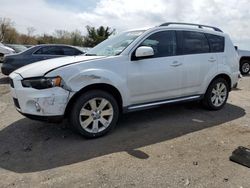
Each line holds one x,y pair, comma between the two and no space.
76,38
95,36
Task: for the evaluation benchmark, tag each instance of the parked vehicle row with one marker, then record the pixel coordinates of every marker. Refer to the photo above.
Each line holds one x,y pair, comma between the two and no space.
17,47
4,50
134,70
37,53
8,49
244,57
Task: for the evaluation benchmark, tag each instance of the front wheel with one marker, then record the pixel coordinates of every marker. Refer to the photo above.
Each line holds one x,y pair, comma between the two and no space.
94,113
216,95
244,67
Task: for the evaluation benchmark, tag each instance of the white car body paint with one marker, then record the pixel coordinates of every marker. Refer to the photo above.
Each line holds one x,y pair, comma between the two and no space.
138,82
6,49
51,101
42,67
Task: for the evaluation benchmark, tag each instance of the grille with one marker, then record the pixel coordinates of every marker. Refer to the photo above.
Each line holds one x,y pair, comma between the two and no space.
16,103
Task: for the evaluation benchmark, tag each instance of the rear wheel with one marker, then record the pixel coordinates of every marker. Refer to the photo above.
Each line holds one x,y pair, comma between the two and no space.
244,67
216,95
94,113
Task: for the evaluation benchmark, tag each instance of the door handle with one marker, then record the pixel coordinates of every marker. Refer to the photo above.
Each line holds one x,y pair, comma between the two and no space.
176,64
212,59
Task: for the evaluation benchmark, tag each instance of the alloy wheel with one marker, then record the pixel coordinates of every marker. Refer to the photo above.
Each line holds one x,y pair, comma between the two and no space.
96,115
245,67
219,94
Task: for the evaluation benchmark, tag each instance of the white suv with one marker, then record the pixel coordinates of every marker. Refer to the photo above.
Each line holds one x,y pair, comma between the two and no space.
131,71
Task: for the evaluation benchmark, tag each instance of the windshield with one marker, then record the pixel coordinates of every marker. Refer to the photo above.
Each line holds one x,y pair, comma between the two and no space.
115,45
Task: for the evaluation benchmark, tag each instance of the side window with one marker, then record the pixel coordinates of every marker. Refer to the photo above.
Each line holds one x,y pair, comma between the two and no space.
217,43
70,51
40,51
194,43
163,43
50,50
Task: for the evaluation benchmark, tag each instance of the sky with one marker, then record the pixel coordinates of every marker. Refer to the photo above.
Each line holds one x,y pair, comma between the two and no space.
46,16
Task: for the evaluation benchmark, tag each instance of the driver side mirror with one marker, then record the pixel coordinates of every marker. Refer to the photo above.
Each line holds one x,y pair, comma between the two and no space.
144,51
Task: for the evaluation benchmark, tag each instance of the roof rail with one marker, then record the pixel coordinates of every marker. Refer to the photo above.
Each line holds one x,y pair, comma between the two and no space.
199,25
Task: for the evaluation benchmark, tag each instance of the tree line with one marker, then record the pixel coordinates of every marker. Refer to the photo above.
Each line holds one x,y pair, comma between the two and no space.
10,35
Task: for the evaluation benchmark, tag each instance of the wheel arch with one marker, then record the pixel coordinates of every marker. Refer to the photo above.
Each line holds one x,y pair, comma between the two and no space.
245,58
224,76
99,86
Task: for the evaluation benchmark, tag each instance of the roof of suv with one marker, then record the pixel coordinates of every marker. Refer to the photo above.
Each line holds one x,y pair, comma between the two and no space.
194,29
191,24
187,26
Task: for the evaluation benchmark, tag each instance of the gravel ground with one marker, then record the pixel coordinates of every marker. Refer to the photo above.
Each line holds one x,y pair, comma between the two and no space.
172,146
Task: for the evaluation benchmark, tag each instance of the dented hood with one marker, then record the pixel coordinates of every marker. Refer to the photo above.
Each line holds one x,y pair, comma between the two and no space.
40,68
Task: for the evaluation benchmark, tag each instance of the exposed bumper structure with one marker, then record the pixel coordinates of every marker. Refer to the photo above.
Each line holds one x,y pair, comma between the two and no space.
46,104
50,119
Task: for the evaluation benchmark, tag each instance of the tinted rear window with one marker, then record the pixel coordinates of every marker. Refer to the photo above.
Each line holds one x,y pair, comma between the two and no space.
194,43
217,43
50,50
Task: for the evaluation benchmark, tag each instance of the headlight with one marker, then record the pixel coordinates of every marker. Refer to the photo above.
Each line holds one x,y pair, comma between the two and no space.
42,83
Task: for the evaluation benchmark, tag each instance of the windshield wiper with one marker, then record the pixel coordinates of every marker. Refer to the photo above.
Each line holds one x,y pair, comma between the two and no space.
90,54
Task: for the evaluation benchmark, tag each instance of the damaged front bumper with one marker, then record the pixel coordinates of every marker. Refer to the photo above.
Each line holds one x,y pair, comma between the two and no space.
46,104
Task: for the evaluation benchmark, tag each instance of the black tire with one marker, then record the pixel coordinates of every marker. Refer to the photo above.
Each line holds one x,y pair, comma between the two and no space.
81,101
244,67
207,100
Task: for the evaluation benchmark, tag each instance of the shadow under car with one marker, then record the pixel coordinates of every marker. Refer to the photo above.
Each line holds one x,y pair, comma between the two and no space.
30,146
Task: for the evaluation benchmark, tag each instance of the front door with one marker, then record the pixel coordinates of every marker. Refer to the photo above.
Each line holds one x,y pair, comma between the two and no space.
158,77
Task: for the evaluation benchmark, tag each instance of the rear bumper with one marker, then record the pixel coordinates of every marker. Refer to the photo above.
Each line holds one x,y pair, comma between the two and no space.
235,85
235,78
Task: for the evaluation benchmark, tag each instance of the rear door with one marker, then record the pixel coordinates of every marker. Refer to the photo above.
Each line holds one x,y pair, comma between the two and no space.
217,46
198,62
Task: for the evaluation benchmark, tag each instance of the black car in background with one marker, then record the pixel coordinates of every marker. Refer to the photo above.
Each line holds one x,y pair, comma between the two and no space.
37,53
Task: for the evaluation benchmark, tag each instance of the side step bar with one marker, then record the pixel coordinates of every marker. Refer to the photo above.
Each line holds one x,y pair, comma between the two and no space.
159,103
